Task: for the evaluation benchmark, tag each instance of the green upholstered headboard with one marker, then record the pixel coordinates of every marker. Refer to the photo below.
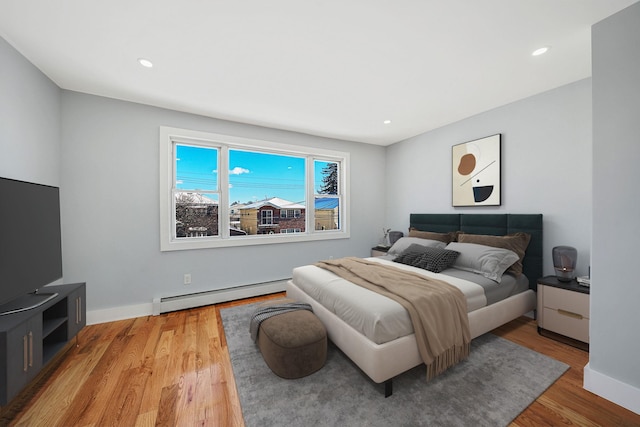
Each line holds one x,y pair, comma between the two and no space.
493,224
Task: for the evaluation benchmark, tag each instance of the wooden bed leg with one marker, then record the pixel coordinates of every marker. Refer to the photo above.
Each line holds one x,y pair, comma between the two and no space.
388,388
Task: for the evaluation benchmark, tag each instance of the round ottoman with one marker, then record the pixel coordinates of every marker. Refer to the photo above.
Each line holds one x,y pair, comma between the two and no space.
293,344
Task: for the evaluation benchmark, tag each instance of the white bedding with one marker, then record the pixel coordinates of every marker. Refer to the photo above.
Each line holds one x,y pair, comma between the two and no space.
377,317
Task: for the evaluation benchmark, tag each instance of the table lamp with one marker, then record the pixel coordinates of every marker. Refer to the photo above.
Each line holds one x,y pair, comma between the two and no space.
564,262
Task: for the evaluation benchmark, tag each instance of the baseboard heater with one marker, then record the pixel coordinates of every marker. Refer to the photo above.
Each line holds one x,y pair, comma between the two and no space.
199,299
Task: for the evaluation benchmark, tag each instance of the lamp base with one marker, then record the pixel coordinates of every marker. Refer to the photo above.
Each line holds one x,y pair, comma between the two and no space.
565,275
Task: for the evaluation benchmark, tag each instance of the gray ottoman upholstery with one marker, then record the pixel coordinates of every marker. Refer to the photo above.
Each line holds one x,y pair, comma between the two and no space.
293,344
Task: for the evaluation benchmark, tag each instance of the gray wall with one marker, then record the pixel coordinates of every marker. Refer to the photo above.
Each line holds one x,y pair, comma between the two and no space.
546,159
29,120
615,293
110,206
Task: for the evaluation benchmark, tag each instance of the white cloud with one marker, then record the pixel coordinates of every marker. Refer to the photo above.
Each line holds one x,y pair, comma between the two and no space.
238,171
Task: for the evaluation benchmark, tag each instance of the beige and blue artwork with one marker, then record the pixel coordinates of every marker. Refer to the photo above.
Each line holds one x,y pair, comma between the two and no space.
476,172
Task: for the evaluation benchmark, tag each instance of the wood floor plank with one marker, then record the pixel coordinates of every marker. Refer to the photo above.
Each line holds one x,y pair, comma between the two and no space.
166,408
205,362
127,401
95,393
160,342
174,370
188,373
146,419
153,391
123,406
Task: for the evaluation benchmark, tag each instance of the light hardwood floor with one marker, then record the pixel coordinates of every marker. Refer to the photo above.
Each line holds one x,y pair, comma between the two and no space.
174,370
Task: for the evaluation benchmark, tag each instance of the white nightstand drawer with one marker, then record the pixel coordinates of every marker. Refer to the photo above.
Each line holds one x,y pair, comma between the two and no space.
561,299
567,323
563,309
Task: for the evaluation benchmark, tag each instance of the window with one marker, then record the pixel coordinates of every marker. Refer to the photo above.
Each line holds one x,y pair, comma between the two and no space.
267,217
290,213
196,191
327,195
219,190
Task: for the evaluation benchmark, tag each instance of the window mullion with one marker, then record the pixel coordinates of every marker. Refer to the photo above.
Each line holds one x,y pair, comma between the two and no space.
310,217
223,182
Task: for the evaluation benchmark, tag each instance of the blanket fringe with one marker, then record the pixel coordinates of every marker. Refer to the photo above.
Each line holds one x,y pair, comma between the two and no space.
447,359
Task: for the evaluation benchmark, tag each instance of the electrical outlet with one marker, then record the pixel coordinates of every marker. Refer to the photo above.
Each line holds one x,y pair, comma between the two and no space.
187,279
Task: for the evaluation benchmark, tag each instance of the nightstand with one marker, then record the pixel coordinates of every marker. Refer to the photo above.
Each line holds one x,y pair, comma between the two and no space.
379,250
563,308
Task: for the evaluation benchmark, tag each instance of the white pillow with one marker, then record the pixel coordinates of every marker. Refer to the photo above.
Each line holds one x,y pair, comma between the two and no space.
404,242
485,260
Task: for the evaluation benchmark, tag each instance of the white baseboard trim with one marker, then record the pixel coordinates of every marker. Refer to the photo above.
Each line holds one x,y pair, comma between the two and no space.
612,389
119,313
162,305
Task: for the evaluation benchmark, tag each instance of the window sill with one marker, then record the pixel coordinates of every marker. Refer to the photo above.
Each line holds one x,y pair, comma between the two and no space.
217,242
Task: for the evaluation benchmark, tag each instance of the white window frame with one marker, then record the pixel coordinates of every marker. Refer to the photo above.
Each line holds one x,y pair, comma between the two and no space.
266,217
169,136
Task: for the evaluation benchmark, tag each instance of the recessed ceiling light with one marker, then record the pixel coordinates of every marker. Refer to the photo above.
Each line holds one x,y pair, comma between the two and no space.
386,122
145,62
540,51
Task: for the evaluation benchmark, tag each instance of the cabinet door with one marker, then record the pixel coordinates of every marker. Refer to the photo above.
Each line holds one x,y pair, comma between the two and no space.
77,311
24,354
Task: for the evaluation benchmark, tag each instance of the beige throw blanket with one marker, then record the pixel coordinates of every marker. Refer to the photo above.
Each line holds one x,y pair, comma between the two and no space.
437,309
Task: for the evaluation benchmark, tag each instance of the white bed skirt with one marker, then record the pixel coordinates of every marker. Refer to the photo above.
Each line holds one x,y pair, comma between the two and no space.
382,362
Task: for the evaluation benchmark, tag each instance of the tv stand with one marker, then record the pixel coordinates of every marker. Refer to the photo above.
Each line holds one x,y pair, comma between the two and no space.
31,337
26,302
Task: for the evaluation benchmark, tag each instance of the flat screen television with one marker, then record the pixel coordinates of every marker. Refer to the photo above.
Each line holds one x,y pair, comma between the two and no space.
30,243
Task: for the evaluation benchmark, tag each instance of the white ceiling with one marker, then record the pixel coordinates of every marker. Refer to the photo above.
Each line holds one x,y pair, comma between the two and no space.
334,68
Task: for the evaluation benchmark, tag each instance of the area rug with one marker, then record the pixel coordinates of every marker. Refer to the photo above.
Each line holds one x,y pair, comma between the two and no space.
497,382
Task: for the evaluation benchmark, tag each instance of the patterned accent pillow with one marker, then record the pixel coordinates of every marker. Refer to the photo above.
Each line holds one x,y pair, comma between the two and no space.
428,258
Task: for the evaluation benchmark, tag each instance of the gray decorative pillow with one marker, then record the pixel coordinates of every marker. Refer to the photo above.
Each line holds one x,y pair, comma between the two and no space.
428,258
485,260
403,243
516,242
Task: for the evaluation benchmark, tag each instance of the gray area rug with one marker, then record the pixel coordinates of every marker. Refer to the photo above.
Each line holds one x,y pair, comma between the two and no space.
497,382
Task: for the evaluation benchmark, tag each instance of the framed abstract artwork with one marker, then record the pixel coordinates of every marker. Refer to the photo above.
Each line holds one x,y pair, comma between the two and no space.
475,171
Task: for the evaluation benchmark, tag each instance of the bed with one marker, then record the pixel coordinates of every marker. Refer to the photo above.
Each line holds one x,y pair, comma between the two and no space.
384,358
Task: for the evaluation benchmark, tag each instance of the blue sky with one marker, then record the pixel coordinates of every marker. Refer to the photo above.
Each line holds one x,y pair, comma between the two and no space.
253,176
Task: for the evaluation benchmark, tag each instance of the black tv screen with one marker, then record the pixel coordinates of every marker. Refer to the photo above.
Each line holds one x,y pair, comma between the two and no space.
30,238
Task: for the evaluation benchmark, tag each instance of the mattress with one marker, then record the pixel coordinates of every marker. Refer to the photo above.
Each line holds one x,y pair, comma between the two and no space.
381,319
